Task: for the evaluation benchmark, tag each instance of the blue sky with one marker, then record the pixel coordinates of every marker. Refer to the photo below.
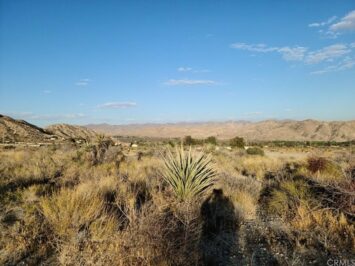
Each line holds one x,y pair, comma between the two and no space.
123,62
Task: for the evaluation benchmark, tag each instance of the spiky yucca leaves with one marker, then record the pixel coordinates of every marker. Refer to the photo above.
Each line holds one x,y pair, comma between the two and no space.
188,173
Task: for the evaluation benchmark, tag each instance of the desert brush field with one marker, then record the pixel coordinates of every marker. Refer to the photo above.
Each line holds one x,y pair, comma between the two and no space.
173,202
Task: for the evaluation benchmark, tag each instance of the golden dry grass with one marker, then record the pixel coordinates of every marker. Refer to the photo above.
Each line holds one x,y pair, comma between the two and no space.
60,206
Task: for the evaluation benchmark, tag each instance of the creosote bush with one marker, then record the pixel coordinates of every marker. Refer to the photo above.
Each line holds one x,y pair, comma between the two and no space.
237,142
188,140
189,174
211,140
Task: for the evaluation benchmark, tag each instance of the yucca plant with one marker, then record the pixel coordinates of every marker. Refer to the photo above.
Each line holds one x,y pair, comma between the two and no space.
188,173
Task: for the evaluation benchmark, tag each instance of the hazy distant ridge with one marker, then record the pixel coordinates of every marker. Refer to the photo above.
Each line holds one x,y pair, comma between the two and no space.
18,130
264,130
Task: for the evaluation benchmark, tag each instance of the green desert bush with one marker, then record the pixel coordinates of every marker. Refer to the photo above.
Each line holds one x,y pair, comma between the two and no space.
282,199
189,174
255,151
211,140
237,142
188,140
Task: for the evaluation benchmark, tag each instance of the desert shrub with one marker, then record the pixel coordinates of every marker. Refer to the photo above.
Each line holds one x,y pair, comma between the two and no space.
171,143
258,166
337,196
255,151
237,142
316,214
188,140
102,147
283,198
316,164
211,140
325,228
323,169
162,236
25,237
102,246
189,174
158,236
72,210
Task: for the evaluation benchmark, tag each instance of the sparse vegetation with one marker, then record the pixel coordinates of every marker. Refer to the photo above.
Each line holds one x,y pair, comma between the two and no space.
100,204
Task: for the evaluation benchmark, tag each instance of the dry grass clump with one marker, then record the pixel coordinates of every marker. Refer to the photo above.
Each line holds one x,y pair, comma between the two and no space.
110,222
239,163
317,215
24,236
17,166
98,245
69,211
328,231
163,237
323,169
324,227
284,199
243,192
258,166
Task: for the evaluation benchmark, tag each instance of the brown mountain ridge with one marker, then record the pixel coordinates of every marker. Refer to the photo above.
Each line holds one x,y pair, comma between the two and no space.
13,130
268,130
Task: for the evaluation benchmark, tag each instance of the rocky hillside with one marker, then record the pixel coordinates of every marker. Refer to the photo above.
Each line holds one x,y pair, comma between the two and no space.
72,132
12,130
264,130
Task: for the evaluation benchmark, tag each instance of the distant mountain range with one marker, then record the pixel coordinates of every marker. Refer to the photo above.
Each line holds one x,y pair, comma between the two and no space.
13,130
264,131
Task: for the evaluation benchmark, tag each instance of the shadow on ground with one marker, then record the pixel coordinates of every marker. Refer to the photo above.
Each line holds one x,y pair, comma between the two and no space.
218,239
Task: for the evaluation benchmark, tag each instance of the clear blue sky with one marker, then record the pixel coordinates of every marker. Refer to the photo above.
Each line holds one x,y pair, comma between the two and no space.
85,61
